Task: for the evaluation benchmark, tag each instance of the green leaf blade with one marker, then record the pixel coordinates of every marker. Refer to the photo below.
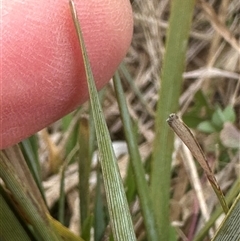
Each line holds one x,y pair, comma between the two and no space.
117,203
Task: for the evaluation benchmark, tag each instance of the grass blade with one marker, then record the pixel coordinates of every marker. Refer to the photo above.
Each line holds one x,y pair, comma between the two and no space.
27,199
10,227
117,203
231,195
137,166
173,67
29,148
135,89
229,229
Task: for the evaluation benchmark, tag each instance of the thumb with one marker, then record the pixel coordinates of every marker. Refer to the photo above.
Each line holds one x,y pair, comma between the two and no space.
43,76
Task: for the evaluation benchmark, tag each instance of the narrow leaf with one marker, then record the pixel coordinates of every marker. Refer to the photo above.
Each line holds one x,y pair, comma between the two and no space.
137,166
169,93
229,229
117,203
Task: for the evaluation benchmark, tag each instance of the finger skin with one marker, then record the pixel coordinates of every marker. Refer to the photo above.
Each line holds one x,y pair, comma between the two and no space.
42,74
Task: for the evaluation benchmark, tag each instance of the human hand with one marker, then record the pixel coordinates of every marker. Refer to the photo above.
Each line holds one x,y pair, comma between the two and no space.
42,73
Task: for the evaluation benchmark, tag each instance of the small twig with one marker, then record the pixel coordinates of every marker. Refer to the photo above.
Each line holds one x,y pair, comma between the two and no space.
189,140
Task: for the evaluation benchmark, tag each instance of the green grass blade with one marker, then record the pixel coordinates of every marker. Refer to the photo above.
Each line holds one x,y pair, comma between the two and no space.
10,226
61,202
32,208
121,223
87,227
72,139
135,89
130,184
229,229
137,166
215,215
173,67
29,148
100,222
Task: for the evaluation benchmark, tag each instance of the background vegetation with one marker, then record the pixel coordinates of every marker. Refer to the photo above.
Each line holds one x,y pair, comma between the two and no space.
168,194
